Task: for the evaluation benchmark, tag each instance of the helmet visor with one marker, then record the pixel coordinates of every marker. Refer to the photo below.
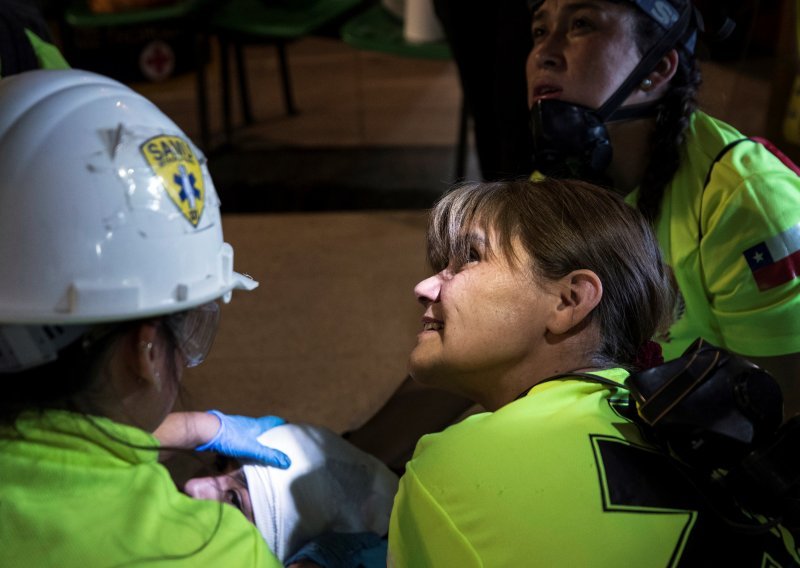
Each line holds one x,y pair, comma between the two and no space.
194,331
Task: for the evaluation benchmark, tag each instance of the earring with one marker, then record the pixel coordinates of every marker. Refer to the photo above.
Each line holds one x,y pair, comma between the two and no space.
148,346
646,84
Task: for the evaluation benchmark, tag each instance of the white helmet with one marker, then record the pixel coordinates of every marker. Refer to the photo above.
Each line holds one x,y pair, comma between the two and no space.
107,209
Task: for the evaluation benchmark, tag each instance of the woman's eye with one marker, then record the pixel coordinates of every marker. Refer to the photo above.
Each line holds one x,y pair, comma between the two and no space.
233,499
473,256
581,24
537,33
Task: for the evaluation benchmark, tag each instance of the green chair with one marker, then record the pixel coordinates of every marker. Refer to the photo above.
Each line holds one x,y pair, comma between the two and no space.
241,22
185,15
376,29
79,15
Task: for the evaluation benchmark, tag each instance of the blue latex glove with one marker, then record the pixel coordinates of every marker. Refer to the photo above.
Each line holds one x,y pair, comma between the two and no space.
237,438
344,550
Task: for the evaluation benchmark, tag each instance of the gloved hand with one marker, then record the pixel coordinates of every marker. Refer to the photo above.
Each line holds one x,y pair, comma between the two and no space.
344,550
237,438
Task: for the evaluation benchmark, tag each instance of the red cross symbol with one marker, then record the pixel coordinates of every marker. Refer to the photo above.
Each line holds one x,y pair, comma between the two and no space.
157,60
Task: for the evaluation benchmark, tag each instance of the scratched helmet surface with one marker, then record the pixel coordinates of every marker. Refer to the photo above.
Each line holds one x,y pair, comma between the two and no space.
107,207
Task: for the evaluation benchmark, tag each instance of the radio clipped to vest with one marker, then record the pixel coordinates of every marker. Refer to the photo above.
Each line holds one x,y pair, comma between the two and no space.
720,415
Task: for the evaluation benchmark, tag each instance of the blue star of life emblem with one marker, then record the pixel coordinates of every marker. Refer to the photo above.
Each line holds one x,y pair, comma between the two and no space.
175,163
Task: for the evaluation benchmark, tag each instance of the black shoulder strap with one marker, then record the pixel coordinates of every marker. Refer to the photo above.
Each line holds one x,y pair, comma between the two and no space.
586,376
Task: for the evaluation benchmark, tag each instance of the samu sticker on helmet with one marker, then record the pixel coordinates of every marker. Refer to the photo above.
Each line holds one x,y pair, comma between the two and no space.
173,160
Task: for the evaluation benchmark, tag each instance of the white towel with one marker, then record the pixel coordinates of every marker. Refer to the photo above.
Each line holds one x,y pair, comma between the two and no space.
330,486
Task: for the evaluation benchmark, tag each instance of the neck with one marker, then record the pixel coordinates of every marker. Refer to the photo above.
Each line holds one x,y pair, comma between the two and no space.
631,141
508,388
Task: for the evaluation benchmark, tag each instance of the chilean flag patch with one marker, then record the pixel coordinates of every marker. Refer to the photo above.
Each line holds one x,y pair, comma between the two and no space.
775,260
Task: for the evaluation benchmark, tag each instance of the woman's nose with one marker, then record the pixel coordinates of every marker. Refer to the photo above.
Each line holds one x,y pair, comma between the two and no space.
547,52
427,291
203,488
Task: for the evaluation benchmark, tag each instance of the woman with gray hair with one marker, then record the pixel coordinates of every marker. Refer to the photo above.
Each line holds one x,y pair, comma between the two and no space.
543,295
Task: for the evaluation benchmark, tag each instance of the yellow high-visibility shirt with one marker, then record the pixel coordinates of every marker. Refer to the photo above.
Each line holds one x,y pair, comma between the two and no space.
560,477
733,244
79,491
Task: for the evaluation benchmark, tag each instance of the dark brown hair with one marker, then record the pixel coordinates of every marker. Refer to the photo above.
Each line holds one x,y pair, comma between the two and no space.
61,383
566,225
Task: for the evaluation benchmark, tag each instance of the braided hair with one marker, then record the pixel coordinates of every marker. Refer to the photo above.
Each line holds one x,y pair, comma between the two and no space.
674,112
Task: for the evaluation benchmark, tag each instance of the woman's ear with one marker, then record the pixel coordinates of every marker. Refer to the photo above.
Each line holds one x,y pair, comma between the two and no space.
663,73
146,360
579,292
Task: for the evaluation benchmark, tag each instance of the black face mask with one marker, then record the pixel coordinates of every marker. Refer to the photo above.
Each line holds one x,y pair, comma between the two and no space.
569,141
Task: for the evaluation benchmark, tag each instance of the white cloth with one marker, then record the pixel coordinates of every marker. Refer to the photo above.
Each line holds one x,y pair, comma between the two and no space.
330,486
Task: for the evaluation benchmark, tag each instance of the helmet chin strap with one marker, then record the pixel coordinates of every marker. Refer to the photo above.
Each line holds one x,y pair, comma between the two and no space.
571,140
649,61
